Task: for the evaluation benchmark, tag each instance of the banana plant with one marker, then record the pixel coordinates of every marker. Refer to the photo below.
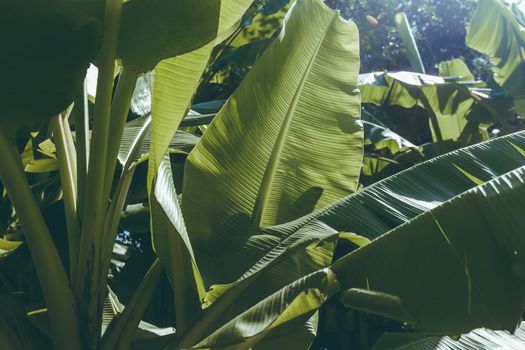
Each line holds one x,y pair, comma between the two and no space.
455,108
51,46
268,189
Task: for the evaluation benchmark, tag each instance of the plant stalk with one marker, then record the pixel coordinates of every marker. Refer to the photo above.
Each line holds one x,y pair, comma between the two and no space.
51,274
82,146
90,277
122,330
68,180
119,113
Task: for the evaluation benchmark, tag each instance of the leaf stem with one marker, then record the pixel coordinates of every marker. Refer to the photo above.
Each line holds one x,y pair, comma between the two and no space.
119,113
90,279
122,330
51,274
68,180
82,137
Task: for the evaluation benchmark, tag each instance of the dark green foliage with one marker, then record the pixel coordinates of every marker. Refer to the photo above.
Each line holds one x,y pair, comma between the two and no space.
46,51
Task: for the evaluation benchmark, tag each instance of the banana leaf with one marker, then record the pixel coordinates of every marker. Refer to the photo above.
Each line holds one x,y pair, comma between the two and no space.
497,29
285,143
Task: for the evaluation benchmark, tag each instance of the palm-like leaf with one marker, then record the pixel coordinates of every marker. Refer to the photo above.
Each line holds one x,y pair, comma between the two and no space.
176,80
286,142
496,29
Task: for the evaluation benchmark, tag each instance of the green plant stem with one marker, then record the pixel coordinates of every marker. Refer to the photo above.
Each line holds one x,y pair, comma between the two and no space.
119,113
82,137
68,180
51,274
90,278
71,149
122,330
114,214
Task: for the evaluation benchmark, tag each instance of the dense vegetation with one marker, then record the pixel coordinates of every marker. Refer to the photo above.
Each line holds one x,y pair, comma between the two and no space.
239,174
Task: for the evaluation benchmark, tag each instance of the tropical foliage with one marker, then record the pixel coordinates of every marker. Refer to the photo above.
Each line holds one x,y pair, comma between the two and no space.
170,182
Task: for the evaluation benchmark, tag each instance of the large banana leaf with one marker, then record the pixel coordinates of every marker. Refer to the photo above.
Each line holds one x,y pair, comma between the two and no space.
498,31
286,142
176,80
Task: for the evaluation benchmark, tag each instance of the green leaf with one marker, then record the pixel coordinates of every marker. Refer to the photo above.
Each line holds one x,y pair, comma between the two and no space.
457,69
269,260
139,130
300,298
173,247
155,30
8,247
453,268
286,142
44,165
381,137
446,102
496,30
46,50
478,339
403,27
176,81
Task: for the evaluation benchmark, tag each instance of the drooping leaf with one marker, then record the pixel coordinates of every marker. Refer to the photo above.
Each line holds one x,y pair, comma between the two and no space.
454,268
270,260
447,102
497,30
298,299
455,68
155,30
381,137
173,247
448,239
181,141
284,143
7,247
46,50
176,80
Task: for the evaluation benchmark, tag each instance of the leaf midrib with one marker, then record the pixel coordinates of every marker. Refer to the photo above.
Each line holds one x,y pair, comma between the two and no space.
261,200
